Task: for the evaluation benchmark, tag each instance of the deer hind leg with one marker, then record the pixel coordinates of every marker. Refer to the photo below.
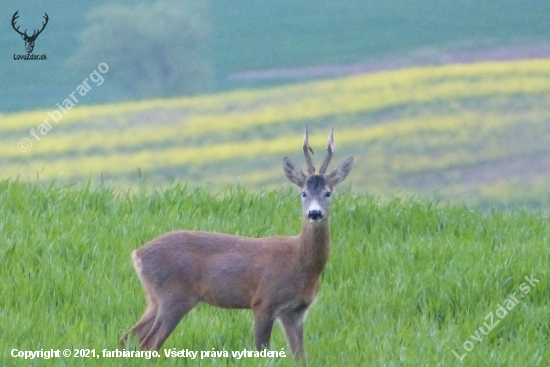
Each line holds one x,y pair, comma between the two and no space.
171,309
293,324
142,328
144,325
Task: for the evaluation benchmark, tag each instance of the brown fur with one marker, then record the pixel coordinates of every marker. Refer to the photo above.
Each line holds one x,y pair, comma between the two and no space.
272,276
276,277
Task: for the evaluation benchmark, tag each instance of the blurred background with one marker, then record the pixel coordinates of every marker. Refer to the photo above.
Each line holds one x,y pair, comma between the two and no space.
441,99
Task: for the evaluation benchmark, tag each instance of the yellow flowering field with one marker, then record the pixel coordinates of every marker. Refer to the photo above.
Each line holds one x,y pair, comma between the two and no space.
448,130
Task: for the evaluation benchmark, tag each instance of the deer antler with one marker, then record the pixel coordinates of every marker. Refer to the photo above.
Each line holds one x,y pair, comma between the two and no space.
43,26
310,168
35,34
330,149
15,16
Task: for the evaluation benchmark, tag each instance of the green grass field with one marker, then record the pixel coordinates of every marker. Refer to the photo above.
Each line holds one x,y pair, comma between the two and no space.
407,281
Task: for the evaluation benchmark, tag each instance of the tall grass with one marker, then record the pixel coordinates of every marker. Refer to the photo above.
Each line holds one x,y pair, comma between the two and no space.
407,280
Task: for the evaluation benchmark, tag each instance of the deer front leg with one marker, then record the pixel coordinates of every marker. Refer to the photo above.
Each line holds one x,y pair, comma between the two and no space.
293,324
263,324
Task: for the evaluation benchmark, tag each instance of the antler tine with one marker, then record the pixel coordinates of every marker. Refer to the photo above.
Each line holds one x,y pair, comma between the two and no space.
47,18
310,168
43,26
330,149
15,16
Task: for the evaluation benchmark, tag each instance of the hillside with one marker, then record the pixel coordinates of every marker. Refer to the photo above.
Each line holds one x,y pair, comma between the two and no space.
259,34
407,281
476,133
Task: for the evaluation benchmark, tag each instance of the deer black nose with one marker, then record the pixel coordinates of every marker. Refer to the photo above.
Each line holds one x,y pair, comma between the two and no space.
315,215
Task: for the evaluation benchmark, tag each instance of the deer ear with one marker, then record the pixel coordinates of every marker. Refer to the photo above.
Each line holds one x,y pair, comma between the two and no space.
340,173
294,173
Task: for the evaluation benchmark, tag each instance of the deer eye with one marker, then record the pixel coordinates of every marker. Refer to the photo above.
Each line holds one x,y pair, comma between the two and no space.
303,194
327,194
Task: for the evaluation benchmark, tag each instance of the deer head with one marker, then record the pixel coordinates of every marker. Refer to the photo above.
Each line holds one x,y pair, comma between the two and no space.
317,189
29,40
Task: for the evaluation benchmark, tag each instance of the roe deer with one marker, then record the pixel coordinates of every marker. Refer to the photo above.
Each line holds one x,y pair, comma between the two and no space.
276,277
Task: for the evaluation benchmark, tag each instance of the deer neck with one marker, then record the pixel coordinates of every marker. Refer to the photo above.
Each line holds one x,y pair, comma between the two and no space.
313,246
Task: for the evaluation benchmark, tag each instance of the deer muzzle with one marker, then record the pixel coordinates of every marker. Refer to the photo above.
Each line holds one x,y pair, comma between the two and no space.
315,215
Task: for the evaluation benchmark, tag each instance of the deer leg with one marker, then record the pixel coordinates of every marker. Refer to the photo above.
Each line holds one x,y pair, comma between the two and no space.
263,324
293,324
143,326
170,313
